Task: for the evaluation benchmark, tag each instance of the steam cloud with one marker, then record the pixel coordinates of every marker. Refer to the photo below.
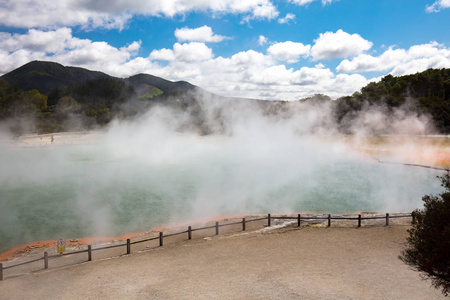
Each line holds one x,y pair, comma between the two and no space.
157,169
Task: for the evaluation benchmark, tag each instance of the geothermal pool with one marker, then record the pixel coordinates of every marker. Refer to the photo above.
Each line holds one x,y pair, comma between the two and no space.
126,183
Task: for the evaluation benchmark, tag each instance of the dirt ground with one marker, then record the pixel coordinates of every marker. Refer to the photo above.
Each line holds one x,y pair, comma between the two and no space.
283,263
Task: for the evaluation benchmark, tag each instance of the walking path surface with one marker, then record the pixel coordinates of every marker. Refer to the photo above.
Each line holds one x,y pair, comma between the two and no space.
283,263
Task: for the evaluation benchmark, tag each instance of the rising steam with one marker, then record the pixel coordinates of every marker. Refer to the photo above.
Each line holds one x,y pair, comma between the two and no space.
162,168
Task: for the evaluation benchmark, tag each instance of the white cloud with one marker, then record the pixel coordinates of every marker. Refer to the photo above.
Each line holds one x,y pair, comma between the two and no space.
344,84
245,74
244,59
190,52
250,74
331,45
262,40
305,2
319,66
116,13
287,18
311,76
162,54
59,45
12,60
438,6
288,51
49,14
324,2
400,61
200,34
264,10
369,63
41,41
254,75
301,2
274,75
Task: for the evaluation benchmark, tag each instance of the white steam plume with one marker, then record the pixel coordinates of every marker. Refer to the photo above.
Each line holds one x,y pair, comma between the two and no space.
157,169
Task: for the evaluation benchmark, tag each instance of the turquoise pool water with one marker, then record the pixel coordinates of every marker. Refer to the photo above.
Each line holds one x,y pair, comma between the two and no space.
115,188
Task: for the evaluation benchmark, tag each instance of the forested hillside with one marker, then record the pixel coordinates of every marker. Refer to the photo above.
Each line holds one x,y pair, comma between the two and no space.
76,98
45,76
81,106
426,92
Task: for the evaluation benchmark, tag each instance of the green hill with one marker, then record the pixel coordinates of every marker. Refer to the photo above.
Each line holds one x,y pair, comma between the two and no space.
143,83
45,76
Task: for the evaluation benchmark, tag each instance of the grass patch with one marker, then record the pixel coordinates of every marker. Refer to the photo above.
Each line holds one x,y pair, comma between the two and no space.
153,92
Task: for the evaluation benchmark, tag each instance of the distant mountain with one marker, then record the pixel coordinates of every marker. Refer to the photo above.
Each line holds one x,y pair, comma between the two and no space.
46,76
143,83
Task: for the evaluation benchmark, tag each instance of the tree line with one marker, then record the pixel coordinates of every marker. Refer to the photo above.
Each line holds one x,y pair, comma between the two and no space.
81,106
427,92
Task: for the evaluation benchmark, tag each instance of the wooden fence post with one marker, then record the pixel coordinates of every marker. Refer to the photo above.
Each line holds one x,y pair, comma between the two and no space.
45,260
359,220
329,220
161,239
387,219
1,271
89,253
268,220
298,220
128,246
243,224
189,232
217,228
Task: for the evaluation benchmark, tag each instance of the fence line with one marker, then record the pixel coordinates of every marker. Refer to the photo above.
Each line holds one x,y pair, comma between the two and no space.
161,236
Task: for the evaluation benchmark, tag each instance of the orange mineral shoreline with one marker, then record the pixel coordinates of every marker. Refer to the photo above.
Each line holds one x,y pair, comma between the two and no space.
410,150
437,158
29,247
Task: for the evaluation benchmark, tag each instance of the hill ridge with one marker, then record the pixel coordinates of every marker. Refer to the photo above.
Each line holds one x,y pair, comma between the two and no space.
46,76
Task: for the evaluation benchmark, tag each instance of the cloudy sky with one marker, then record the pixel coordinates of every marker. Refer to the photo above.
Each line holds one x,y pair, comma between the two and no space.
266,49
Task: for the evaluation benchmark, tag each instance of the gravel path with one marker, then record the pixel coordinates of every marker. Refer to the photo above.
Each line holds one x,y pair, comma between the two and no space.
287,263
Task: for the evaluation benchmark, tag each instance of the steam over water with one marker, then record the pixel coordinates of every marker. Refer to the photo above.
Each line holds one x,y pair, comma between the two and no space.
141,174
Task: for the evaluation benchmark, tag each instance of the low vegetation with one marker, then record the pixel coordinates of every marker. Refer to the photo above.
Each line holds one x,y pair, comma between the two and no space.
153,93
428,244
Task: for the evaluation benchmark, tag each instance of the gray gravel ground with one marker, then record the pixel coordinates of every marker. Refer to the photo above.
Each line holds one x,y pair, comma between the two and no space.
286,263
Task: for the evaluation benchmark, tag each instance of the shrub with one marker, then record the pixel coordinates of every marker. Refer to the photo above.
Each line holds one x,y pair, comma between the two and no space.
428,244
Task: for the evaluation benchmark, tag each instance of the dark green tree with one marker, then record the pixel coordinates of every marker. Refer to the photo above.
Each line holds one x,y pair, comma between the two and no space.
428,244
427,93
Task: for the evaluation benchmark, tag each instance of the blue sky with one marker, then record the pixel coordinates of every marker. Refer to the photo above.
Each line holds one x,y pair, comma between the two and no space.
266,49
